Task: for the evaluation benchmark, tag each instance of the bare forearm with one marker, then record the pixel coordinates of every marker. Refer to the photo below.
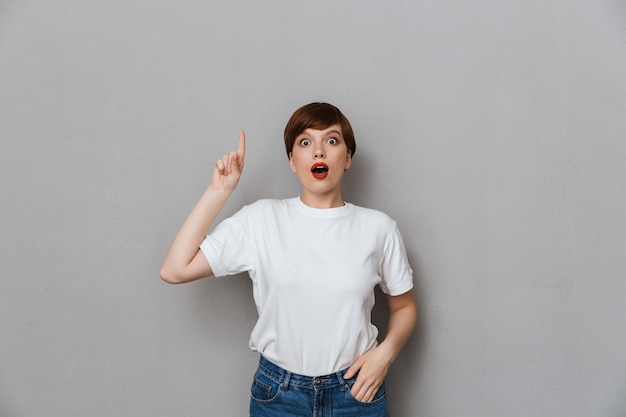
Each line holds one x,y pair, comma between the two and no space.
179,265
184,262
401,325
373,365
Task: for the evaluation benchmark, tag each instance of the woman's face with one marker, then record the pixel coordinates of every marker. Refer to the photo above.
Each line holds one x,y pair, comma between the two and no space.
319,158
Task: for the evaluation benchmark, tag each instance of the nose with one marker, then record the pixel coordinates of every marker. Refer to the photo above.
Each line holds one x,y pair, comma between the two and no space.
319,152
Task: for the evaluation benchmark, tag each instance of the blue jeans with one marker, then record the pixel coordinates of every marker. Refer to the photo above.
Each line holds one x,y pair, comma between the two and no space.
276,392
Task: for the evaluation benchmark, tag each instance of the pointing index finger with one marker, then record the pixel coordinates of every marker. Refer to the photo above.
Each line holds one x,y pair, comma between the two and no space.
241,151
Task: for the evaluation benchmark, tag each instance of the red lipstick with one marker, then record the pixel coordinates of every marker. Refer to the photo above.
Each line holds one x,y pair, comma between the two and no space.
319,170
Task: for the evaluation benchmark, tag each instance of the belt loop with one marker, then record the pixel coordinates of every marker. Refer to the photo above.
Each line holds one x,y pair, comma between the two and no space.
342,382
285,383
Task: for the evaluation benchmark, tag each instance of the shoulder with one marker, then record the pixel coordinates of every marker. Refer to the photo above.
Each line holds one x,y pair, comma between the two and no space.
375,221
265,206
374,216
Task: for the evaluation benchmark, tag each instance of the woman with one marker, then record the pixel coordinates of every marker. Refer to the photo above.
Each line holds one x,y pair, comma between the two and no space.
314,261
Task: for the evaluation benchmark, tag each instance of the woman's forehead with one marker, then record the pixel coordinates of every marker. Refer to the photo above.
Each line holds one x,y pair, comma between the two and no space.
332,129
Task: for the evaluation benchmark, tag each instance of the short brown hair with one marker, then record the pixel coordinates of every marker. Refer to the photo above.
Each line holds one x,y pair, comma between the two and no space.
318,116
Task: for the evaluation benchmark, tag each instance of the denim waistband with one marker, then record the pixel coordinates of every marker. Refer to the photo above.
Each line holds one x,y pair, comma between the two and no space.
286,378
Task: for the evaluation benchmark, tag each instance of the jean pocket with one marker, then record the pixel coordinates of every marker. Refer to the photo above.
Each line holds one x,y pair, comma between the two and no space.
379,397
264,389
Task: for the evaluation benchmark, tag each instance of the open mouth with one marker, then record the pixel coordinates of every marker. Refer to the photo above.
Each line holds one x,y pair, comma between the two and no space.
319,170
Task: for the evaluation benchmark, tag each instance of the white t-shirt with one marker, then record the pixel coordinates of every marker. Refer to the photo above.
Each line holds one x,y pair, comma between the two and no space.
313,273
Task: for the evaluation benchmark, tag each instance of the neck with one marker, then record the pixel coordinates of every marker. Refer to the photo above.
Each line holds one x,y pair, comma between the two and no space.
322,201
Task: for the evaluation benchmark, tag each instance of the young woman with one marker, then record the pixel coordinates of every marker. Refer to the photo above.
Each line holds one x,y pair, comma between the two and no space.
314,261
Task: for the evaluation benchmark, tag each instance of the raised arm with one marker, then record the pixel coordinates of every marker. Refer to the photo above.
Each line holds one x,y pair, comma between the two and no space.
184,261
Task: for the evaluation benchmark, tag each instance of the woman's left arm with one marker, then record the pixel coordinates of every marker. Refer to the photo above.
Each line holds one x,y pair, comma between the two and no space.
373,365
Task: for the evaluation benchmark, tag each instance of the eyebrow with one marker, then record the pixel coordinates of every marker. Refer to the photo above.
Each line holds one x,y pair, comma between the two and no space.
330,132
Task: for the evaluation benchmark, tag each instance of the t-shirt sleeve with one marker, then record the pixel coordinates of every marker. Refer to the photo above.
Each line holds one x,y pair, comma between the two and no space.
228,248
396,273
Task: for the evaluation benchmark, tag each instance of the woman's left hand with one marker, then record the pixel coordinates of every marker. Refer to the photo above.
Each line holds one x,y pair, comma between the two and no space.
372,368
373,365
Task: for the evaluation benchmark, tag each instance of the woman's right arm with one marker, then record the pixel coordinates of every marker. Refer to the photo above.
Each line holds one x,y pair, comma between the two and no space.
184,261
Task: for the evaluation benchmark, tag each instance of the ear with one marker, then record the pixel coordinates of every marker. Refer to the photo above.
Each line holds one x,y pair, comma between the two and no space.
348,160
291,163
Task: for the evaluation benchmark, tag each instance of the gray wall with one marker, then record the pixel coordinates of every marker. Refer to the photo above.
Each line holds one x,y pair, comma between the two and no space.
493,132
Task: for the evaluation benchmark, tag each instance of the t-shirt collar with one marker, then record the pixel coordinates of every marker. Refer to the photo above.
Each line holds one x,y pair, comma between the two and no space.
321,212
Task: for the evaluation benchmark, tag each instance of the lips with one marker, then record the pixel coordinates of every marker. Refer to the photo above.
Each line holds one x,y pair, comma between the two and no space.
319,170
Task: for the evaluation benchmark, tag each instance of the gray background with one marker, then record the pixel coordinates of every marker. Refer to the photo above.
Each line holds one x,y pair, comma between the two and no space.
493,132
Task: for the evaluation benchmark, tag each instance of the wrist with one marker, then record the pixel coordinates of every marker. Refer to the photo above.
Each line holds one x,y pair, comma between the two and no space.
388,351
217,194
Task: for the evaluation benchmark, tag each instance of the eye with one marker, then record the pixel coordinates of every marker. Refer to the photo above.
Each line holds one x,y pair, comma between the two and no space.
333,141
304,142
